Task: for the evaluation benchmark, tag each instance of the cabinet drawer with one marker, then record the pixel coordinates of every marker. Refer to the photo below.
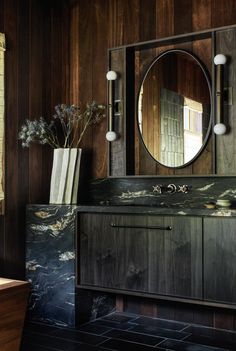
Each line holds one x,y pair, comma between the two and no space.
153,254
115,257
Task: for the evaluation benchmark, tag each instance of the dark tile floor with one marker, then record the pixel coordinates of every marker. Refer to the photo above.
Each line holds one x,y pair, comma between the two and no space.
121,331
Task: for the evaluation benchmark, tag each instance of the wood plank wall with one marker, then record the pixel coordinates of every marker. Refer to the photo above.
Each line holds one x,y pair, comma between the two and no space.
97,25
36,79
57,52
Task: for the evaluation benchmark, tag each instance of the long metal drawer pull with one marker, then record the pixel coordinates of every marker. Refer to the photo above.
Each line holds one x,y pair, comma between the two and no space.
113,225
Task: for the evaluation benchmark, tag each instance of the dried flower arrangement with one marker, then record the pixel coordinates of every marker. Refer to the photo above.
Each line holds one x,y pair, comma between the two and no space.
71,121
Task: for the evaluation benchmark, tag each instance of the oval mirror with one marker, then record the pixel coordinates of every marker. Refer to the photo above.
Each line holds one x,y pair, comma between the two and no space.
174,108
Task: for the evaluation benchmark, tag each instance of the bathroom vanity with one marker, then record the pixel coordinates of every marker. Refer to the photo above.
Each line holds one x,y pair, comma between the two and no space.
178,257
80,258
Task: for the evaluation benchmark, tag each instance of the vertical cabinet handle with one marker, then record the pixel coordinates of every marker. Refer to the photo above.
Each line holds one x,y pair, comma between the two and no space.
114,225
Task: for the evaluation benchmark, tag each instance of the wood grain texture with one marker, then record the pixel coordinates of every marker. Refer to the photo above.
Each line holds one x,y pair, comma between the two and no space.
129,22
183,16
223,12
13,302
165,18
117,256
201,14
31,90
226,146
220,260
100,23
133,258
147,20
175,257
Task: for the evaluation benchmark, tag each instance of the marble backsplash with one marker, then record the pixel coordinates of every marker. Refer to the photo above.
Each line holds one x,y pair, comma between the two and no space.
139,191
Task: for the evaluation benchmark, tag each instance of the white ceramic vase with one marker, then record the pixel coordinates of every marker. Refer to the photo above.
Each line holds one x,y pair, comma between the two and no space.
65,176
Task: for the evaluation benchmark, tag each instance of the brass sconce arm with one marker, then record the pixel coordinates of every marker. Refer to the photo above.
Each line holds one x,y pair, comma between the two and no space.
111,135
219,61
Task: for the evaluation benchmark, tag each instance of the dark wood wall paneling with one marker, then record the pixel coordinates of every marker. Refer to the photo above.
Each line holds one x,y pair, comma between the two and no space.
124,22
36,79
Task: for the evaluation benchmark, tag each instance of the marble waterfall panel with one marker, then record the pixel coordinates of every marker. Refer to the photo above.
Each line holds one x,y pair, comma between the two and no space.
50,263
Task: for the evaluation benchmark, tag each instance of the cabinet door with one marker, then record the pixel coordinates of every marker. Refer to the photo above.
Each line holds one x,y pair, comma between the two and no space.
220,259
175,257
114,251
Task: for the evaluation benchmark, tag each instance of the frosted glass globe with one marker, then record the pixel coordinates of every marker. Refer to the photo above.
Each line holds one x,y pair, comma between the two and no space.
111,75
219,129
220,59
111,136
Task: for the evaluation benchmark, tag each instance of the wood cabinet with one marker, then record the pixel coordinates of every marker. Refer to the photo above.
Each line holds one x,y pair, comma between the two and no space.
220,259
152,254
115,257
175,257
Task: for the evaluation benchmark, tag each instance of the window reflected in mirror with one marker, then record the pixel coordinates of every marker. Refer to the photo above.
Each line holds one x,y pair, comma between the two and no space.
2,50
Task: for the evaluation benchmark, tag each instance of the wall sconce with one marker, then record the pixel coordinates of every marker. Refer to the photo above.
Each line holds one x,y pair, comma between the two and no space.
111,77
219,61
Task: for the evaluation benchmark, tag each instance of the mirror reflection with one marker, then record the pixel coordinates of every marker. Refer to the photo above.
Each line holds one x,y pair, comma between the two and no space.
174,108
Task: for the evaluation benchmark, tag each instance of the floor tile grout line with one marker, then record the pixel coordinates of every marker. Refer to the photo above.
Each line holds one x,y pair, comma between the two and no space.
187,336
102,342
72,340
187,326
163,329
143,334
161,342
130,341
48,347
87,332
210,347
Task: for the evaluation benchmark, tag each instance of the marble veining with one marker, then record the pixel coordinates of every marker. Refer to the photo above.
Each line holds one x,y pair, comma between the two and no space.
133,194
138,191
50,264
66,256
206,187
228,192
158,210
50,268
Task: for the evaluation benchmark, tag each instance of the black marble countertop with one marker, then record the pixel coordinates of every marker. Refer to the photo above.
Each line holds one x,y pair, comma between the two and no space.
156,210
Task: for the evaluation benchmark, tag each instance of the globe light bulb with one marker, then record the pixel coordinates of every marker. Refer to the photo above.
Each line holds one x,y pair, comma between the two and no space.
111,75
220,59
219,129
111,136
